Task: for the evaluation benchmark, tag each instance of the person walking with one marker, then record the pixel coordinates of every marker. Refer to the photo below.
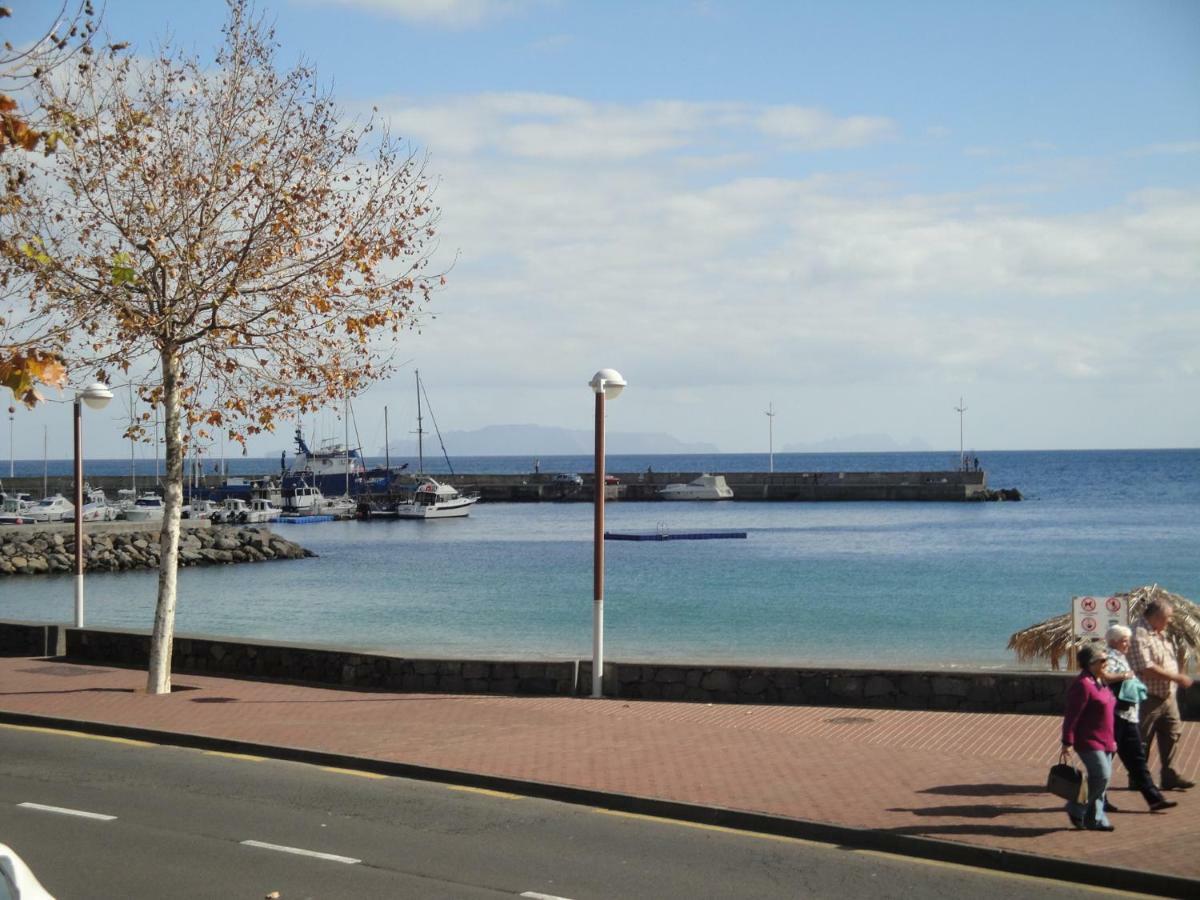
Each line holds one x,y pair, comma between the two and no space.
1130,691
1152,656
1088,727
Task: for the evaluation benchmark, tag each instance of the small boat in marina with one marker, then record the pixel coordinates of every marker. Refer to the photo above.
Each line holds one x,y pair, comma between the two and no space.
434,500
431,499
147,508
97,508
236,511
51,509
706,487
13,511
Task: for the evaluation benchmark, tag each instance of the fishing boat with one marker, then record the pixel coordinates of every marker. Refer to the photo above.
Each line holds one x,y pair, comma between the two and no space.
432,499
706,487
335,467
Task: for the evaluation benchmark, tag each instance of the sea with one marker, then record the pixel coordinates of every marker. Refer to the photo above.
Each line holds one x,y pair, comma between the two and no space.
895,584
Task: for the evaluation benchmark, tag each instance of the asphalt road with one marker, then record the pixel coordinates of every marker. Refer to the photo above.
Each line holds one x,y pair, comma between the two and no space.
187,823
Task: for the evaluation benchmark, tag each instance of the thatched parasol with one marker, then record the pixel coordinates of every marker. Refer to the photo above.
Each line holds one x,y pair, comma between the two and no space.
1053,639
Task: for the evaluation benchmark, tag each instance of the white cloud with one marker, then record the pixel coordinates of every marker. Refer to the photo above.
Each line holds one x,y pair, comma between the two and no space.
443,13
692,278
553,127
815,129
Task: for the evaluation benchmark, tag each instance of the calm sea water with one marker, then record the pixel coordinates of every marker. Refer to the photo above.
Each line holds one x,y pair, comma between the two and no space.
872,583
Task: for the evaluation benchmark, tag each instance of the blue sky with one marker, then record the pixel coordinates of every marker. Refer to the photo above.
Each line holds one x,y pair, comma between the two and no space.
855,211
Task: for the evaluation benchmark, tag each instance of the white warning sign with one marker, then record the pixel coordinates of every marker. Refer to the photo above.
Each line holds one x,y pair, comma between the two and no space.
1091,617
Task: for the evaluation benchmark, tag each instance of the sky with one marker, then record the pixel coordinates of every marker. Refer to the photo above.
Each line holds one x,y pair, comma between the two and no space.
856,213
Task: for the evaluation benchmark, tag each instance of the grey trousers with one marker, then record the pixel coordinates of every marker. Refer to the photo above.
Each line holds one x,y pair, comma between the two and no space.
1159,717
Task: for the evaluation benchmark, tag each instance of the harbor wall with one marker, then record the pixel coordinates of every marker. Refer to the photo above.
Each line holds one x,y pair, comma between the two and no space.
1029,692
786,486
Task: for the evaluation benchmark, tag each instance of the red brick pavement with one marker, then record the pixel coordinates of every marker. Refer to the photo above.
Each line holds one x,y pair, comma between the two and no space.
963,777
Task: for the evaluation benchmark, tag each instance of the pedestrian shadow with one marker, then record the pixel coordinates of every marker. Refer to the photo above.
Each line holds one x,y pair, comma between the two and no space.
963,830
975,811
984,790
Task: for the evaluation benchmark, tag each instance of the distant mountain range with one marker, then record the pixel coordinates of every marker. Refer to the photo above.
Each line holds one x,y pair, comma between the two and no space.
860,443
535,440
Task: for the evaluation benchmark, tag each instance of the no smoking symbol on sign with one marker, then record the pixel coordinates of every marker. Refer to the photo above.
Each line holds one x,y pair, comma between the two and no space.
1088,604
1113,604
1088,624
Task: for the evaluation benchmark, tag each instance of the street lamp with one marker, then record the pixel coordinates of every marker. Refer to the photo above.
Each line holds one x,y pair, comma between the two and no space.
96,396
606,384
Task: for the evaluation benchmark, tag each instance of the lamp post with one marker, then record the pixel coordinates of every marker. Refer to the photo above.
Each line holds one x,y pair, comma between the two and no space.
960,409
96,396
606,384
770,437
11,410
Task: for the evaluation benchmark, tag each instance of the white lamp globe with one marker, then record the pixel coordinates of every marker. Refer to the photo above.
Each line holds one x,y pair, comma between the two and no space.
609,381
96,395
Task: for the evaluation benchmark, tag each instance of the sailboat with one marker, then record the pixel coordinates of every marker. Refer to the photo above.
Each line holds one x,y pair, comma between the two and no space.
432,499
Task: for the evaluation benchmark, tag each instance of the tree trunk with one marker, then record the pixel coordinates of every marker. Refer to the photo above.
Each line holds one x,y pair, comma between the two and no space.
161,642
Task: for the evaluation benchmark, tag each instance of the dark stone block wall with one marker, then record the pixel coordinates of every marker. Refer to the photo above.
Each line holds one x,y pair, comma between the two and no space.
961,691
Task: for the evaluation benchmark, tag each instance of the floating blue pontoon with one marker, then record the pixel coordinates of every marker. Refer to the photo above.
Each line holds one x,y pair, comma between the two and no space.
673,535
303,520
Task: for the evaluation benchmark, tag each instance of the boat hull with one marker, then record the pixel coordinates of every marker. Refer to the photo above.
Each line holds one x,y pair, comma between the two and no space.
450,509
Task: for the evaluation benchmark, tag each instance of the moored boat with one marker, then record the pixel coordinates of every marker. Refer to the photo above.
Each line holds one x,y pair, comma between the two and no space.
434,500
147,508
706,487
51,509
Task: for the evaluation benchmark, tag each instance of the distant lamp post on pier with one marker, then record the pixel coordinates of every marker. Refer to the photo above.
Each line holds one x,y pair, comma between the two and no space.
770,437
96,396
962,459
11,410
606,384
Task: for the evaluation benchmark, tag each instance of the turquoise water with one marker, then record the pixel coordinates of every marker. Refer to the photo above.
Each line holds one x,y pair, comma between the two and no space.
888,583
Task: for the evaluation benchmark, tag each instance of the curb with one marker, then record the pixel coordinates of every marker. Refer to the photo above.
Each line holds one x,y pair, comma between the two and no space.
842,835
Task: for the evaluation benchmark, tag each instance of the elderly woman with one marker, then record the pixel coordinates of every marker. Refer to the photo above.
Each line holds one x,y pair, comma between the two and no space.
1088,727
1125,685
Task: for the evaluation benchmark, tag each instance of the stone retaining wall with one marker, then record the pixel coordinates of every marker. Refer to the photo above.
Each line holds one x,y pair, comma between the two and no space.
986,692
33,550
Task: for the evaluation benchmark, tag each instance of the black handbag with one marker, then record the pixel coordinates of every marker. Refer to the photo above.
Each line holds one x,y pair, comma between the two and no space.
1064,781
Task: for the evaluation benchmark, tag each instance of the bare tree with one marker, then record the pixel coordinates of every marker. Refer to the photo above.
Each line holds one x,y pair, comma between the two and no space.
221,227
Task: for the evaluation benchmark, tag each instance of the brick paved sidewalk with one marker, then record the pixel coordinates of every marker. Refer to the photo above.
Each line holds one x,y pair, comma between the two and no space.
958,777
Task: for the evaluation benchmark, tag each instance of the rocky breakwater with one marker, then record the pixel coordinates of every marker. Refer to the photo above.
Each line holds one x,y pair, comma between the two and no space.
24,552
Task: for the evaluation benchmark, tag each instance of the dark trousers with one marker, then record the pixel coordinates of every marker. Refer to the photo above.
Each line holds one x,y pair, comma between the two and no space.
1133,758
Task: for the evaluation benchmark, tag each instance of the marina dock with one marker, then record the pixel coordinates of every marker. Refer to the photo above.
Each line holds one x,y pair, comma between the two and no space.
939,486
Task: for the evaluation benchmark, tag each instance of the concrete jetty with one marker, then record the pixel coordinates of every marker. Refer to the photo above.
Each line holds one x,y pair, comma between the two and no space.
942,486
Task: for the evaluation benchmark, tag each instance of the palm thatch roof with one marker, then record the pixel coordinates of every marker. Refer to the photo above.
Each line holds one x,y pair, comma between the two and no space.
1052,639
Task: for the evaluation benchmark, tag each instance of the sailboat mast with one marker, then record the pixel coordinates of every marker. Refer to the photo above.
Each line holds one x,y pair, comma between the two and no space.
346,417
420,431
132,448
387,458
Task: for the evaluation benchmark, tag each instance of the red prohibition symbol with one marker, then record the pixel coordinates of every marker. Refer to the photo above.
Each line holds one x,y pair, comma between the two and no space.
1113,604
1088,624
1088,604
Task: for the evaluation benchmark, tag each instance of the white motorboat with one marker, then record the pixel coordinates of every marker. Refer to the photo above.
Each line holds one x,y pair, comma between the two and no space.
51,509
147,508
13,511
434,500
341,507
231,511
706,487
262,510
97,508
200,509
302,500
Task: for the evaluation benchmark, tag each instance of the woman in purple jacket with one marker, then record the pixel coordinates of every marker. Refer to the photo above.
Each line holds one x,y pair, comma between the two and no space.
1088,727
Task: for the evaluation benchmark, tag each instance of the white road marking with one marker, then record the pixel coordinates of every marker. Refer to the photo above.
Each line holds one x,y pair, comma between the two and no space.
83,814
331,857
534,895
